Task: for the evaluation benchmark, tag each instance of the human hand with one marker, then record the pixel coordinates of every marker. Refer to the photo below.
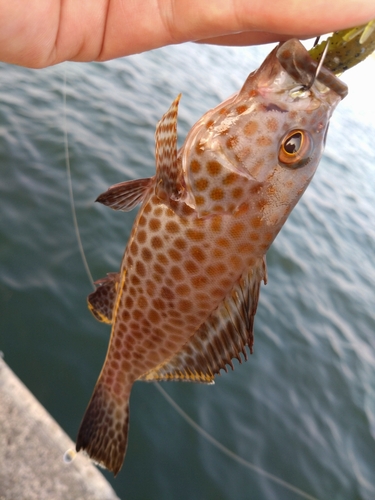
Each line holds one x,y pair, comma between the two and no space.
39,33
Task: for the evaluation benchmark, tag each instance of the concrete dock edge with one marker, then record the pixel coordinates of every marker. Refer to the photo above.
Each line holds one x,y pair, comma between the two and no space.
32,446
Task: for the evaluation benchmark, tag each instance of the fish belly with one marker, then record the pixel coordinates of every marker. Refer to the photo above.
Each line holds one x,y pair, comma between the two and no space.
176,271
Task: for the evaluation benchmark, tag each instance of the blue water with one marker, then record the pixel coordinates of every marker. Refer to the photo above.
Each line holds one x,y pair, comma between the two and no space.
303,407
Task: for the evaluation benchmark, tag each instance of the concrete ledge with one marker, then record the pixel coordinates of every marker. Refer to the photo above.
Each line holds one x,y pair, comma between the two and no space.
32,446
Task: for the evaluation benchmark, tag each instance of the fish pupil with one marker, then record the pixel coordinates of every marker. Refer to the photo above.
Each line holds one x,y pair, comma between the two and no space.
293,143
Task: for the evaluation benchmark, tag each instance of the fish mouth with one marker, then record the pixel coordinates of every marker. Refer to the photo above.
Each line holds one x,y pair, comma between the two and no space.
296,61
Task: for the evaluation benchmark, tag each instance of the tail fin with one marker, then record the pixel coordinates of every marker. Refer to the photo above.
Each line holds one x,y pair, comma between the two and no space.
103,433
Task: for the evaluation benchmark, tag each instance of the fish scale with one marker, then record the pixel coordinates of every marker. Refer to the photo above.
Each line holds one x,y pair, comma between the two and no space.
183,304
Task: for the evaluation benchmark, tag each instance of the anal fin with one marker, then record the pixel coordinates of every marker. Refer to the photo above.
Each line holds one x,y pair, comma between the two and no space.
101,301
223,337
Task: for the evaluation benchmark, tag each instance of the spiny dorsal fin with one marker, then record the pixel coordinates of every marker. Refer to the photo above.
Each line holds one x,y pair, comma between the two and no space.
168,174
101,301
221,338
126,195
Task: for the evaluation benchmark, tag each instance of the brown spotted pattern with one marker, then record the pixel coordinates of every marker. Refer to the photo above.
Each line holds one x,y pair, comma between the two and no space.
189,281
101,302
168,182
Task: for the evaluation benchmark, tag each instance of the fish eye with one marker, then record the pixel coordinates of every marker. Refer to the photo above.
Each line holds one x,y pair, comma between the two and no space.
295,149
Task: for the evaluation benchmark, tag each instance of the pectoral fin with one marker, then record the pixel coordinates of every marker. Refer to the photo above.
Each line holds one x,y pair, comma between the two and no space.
223,337
126,195
101,301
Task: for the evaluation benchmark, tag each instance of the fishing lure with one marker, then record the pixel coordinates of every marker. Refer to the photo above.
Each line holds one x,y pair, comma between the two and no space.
347,48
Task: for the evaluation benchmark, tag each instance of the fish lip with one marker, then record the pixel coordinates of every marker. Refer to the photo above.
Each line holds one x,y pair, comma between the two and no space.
296,61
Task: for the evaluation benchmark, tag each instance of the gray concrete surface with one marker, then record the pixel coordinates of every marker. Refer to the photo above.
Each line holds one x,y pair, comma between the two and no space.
32,446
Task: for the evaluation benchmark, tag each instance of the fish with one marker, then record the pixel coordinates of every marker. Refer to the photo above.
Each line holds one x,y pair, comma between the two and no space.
182,306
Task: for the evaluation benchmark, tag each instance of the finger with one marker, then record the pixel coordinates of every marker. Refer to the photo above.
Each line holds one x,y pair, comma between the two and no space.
134,26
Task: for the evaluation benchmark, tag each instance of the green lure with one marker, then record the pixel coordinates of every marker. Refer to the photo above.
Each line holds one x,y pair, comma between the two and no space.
346,48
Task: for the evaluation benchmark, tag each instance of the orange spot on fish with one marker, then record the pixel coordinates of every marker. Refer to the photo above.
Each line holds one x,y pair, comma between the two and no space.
254,236
140,268
159,304
195,235
237,193
141,236
154,224
195,166
162,258
134,248
134,280
256,222
146,254
169,212
272,124
237,229
154,316
250,128
198,254
216,223
230,178
156,242
214,167
216,194
185,305
241,109
191,267
236,262
180,243
223,242
150,288
232,142
264,140
177,274
142,221
201,184
172,227
245,248
216,269
142,302
183,290
129,302
200,201
174,254
199,281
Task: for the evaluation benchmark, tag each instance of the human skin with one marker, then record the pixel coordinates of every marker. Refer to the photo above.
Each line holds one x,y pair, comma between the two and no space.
40,33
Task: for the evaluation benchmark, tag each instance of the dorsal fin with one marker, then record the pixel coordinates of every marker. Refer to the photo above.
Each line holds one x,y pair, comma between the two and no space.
126,195
101,301
168,174
221,338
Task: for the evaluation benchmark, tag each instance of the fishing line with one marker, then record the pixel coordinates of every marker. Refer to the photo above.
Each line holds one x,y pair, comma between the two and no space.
229,452
70,187
69,455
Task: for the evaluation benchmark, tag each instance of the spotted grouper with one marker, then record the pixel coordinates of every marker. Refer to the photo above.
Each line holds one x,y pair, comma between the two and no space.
183,304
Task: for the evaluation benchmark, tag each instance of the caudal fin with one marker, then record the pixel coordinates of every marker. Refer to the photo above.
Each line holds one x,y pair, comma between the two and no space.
103,433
